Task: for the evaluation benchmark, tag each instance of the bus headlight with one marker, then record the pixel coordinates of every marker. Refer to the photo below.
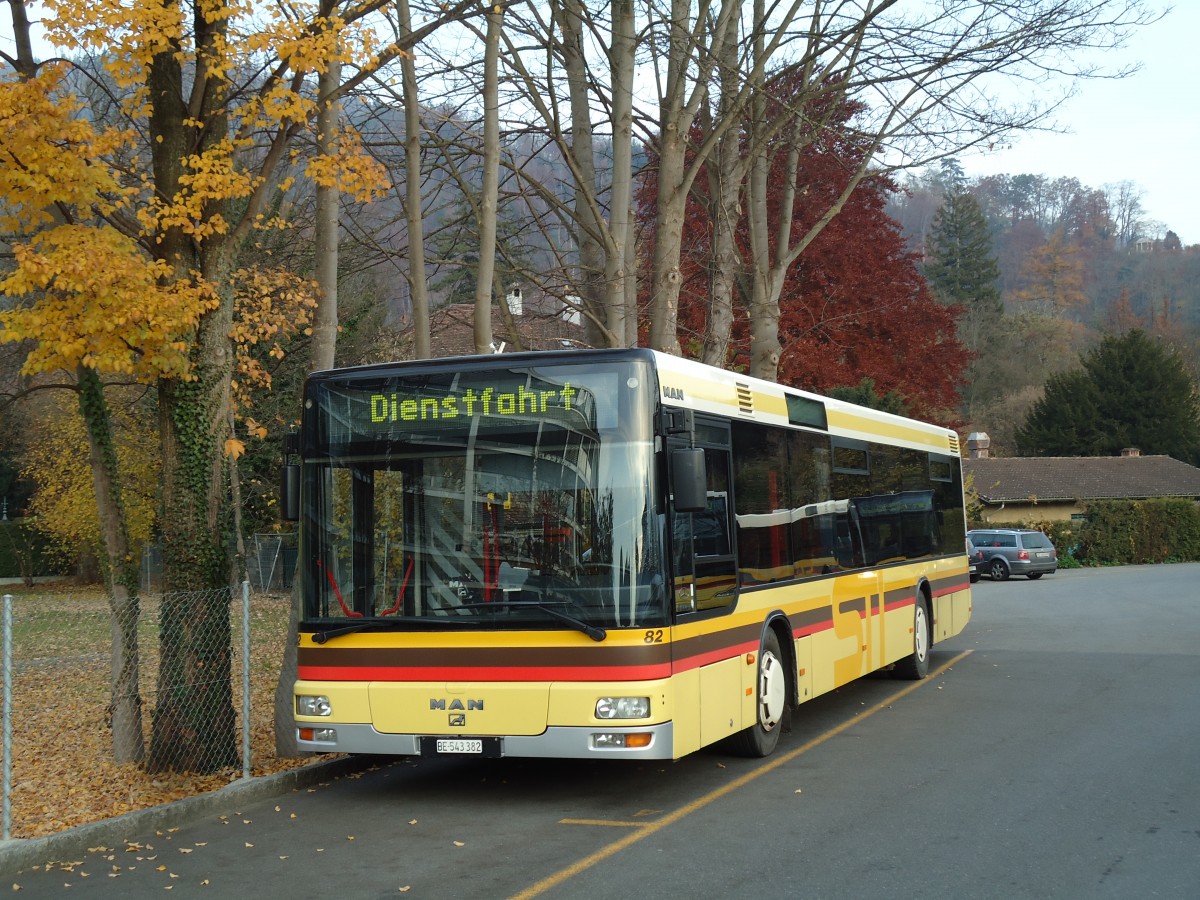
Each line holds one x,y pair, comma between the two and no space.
622,707
313,705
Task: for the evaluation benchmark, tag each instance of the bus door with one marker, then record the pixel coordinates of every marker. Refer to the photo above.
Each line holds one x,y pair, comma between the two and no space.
702,542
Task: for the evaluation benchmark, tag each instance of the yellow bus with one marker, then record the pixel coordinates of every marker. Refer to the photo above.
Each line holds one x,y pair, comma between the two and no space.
608,553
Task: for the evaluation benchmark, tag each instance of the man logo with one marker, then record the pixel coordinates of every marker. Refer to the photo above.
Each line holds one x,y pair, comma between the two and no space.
454,704
458,720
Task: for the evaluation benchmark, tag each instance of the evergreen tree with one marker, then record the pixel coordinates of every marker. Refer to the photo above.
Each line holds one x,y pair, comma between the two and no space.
1131,391
961,268
962,271
866,394
456,253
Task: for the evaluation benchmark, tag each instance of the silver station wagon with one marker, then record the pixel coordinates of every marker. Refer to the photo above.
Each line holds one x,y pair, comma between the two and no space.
1014,551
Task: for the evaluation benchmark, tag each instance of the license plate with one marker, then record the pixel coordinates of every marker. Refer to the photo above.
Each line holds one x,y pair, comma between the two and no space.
459,745
1043,555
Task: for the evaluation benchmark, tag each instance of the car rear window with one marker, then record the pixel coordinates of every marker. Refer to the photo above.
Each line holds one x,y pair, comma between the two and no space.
1036,540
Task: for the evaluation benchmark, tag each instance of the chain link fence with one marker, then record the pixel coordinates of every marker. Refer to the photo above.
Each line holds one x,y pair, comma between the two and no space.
119,706
271,561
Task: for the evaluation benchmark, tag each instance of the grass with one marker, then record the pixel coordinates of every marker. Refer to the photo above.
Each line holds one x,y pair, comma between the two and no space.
63,774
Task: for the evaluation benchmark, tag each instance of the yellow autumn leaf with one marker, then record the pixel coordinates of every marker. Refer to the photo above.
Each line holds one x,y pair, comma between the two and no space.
234,448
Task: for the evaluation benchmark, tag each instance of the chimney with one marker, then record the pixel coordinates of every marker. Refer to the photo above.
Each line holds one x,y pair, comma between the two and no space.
1131,451
978,443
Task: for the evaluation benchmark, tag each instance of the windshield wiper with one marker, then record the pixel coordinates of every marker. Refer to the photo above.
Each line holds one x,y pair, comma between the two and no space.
429,621
322,636
595,632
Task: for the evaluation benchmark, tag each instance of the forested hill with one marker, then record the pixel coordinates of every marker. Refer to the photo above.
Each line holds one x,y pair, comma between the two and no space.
1072,264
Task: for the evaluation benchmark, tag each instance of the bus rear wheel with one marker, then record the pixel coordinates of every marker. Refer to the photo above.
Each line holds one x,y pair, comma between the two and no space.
771,701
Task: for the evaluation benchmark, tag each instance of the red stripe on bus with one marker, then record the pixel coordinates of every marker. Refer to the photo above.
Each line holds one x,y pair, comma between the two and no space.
472,673
812,628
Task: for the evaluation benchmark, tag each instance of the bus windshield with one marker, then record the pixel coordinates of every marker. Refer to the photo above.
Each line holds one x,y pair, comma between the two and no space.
508,497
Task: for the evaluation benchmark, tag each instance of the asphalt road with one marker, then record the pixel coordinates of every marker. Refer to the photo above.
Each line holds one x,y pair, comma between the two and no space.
1055,752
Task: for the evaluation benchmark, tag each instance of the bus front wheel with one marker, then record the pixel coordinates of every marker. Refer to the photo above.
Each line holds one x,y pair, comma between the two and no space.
771,694
916,666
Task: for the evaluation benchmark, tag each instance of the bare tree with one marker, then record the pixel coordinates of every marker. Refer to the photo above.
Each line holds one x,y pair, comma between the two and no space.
1125,208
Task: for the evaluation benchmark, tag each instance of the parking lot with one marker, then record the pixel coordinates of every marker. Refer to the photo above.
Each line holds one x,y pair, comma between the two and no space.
1053,753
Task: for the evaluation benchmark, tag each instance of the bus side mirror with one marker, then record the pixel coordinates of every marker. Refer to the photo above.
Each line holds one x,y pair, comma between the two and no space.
688,480
289,480
289,493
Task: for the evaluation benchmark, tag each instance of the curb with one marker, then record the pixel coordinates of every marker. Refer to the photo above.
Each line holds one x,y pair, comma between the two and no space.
21,853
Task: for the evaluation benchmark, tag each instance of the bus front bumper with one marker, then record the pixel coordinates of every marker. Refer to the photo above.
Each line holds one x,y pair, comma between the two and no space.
559,742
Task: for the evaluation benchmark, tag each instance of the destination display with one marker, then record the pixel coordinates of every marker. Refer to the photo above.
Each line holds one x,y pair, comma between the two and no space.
395,407
484,403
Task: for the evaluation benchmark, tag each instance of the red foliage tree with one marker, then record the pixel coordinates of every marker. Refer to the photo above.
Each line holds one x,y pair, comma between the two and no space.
854,306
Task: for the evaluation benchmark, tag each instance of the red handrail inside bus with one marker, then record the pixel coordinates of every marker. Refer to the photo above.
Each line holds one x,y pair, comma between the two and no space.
337,593
400,595
491,552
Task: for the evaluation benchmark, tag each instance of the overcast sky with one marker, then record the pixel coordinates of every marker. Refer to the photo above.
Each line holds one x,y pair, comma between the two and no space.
1144,128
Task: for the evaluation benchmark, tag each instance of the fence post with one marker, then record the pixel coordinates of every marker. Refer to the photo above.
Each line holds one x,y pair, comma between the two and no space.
246,678
7,738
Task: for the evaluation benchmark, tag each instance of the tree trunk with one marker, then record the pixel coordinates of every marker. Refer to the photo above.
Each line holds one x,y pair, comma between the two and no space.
325,322
194,721
588,229
414,218
675,120
121,573
619,276
768,273
688,62
491,180
668,243
727,175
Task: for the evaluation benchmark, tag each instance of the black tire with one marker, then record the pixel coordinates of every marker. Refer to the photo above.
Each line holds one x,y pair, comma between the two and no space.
771,702
1034,576
916,666
998,569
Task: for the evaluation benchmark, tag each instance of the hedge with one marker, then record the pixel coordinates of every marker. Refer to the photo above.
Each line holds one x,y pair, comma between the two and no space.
1127,532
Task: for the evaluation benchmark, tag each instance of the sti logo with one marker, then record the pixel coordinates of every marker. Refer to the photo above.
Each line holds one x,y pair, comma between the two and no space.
672,393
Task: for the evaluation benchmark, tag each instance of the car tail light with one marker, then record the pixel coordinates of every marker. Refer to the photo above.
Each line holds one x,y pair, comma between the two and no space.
1022,554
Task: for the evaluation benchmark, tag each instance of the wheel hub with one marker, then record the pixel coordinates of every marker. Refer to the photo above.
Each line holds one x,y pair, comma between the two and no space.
772,691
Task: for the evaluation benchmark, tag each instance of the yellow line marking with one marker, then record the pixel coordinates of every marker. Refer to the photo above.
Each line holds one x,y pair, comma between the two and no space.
644,830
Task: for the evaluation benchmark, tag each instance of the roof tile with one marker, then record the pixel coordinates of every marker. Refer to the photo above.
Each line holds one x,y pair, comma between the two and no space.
1001,480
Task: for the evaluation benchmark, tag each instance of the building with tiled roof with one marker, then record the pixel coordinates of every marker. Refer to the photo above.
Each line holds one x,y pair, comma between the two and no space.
1023,489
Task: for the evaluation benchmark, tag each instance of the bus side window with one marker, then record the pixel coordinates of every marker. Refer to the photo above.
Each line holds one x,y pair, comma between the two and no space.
716,579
